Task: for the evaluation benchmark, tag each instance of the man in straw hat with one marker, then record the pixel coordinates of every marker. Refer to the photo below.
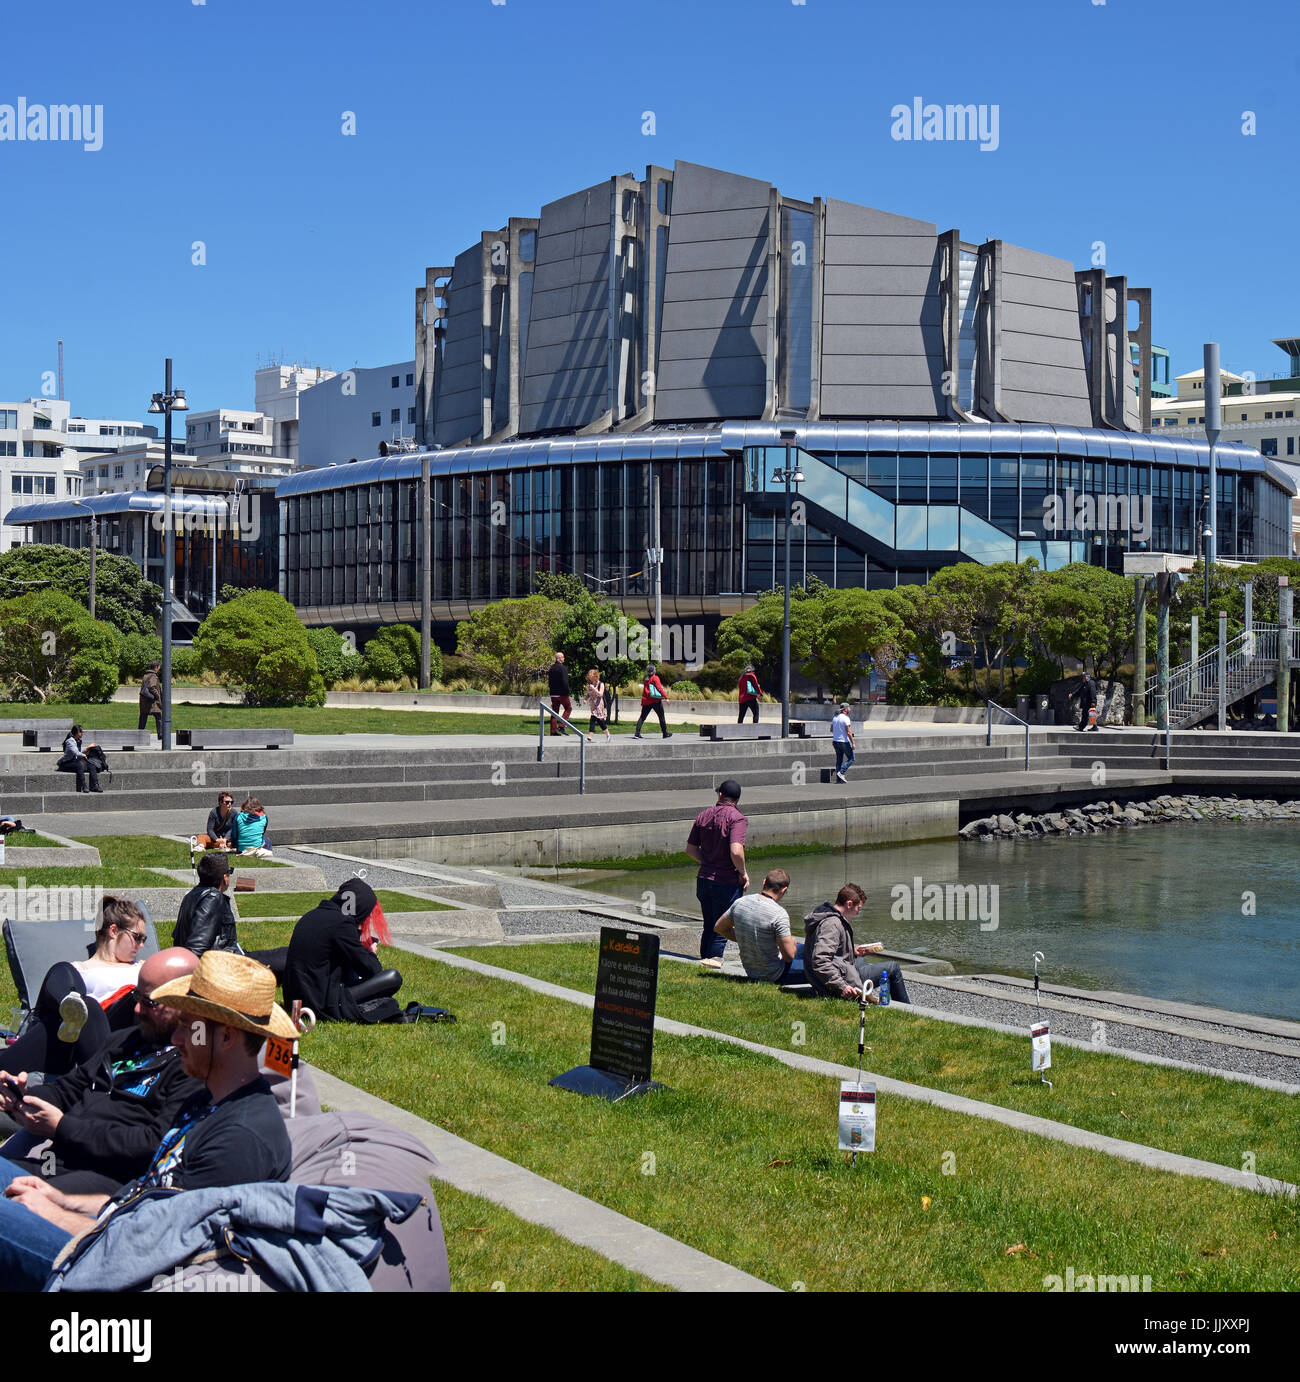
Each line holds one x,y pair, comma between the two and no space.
230,1133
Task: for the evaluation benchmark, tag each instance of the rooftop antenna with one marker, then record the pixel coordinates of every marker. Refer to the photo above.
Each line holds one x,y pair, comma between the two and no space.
60,371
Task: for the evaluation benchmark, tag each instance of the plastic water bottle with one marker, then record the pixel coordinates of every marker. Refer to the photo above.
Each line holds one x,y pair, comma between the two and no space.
882,988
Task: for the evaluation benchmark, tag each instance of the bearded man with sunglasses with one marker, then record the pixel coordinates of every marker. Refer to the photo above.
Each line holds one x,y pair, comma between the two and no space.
104,1118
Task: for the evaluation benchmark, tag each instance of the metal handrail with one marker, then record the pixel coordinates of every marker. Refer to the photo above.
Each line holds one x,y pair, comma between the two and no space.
990,707
543,711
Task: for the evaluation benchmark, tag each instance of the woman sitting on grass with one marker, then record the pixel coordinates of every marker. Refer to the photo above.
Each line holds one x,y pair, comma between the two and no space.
221,822
250,830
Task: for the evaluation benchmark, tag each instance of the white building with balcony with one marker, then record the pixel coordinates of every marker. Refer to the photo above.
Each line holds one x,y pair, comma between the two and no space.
277,390
234,440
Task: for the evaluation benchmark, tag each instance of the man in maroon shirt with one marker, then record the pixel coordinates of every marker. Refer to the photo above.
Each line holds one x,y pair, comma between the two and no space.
717,844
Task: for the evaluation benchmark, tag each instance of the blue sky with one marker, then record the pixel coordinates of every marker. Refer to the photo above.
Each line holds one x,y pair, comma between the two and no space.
222,123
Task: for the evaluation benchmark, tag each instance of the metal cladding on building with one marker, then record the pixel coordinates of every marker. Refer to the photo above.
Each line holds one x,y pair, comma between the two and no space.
696,295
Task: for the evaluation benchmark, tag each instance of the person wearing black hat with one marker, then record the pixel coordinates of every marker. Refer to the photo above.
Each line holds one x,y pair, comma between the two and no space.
717,844
332,970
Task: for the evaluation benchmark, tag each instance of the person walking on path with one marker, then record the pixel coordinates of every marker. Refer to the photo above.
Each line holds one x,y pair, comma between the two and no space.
558,681
750,692
653,697
151,699
1086,693
594,694
843,742
717,844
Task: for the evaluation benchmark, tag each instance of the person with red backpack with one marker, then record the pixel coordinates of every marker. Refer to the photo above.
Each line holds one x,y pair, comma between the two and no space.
653,697
750,691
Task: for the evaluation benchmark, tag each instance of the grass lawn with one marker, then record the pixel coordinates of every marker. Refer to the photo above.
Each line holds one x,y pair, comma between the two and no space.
738,1159
295,904
153,852
25,841
111,879
1177,1110
305,720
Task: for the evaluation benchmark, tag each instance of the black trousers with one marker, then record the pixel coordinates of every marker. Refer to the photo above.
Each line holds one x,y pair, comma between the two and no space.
275,960
745,708
145,712
39,1048
374,996
83,767
658,708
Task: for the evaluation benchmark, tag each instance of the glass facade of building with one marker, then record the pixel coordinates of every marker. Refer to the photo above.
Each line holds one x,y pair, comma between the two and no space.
881,504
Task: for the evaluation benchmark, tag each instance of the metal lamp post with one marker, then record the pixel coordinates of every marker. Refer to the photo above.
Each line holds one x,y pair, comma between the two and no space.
94,545
168,402
1213,426
789,475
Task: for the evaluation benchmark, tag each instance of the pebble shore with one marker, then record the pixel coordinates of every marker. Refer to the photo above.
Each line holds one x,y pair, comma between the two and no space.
1099,816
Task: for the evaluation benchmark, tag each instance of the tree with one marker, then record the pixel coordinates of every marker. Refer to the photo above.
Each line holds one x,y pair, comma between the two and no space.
123,598
757,633
510,641
257,643
52,650
593,632
850,627
327,644
394,653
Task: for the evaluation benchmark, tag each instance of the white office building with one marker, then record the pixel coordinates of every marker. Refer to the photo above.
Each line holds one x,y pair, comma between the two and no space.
346,417
41,450
234,440
277,390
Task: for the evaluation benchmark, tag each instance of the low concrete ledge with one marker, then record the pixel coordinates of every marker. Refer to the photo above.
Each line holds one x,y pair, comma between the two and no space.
70,855
290,878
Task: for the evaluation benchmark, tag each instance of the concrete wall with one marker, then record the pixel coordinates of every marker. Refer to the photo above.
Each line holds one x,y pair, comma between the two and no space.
1043,374
566,365
713,337
897,823
458,402
882,342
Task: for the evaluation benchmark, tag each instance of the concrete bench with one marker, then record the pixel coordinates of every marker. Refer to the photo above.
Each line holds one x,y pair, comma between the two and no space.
128,739
22,726
749,730
235,738
810,729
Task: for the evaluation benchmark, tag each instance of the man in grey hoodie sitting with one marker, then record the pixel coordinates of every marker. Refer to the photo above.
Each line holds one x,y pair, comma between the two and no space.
834,964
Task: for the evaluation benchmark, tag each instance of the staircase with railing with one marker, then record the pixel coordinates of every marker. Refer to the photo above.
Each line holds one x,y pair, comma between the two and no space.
1249,664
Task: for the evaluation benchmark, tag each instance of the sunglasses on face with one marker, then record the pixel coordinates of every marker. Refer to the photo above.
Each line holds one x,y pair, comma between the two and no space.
139,937
147,1003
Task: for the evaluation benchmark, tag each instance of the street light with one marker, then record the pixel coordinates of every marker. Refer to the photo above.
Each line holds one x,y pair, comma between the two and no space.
787,476
168,402
94,543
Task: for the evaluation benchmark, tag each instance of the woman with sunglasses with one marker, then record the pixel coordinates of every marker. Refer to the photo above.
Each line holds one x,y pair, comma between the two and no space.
69,1018
221,822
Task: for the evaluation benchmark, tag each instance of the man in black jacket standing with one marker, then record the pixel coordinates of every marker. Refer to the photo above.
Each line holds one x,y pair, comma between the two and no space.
104,1118
332,971
558,681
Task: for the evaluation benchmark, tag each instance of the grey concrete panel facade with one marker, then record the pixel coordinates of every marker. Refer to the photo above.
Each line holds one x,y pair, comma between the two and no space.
1040,323
882,349
458,414
713,337
565,380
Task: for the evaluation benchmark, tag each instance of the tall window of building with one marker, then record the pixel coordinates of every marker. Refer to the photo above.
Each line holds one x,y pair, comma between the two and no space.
8,418
1268,446
410,415
374,419
410,379
117,472
1290,446
395,415
8,448
395,379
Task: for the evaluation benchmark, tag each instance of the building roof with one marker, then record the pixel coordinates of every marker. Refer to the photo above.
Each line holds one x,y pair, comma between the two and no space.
122,502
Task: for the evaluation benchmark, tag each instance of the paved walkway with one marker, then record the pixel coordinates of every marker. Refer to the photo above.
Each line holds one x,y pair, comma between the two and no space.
1152,1157
540,1201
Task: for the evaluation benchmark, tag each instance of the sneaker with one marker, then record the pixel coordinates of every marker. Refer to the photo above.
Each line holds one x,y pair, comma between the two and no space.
73,1011
637,736
711,962
839,777
668,736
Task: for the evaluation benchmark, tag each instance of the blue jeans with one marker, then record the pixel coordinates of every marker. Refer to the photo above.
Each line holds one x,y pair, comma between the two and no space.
28,1244
897,988
714,898
843,756
794,968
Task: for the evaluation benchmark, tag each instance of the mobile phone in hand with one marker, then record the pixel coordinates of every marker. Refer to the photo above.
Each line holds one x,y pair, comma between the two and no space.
12,1088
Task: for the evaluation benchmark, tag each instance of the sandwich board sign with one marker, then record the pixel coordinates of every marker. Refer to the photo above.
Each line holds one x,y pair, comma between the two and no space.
622,1018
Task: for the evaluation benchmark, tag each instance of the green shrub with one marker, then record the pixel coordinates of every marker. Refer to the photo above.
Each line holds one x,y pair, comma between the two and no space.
185,662
685,688
138,651
394,653
52,650
327,644
257,643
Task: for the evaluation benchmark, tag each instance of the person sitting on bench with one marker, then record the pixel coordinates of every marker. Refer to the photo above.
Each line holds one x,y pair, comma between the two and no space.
77,759
760,926
332,970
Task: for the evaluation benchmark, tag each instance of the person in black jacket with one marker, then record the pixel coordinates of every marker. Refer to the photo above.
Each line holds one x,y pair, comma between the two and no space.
105,1117
557,680
221,822
332,971
205,920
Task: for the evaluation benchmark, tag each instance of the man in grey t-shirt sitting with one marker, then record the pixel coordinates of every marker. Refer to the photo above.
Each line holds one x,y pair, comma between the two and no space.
760,926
